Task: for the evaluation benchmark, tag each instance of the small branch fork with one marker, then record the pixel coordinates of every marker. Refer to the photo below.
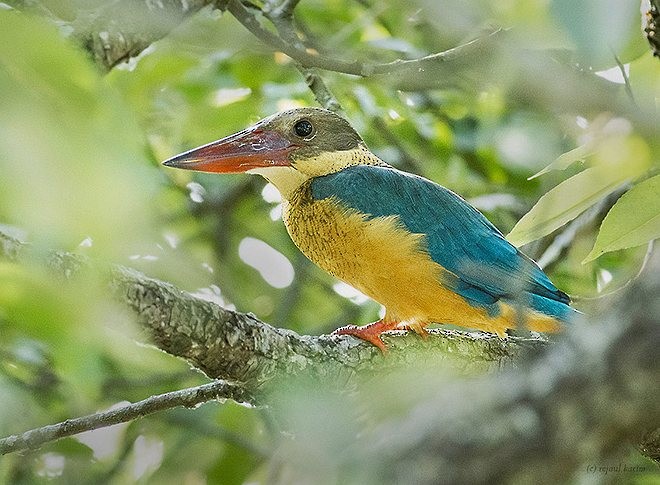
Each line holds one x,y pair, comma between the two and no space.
281,16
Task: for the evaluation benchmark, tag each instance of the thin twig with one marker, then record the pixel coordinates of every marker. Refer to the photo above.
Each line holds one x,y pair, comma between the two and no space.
626,80
185,397
356,68
250,22
281,16
318,87
284,9
449,55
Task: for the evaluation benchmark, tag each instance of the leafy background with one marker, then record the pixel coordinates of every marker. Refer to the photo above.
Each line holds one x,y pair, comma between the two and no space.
80,171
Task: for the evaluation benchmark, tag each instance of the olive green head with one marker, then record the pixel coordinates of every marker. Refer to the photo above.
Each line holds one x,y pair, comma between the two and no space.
313,131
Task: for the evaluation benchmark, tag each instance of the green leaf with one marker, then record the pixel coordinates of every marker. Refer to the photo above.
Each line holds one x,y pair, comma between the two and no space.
619,163
604,130
565,160
634,220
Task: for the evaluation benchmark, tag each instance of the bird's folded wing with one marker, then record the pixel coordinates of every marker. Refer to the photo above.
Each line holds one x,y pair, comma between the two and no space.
484,267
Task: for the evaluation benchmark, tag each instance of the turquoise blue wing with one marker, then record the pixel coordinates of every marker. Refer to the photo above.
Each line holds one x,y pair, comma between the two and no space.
486,266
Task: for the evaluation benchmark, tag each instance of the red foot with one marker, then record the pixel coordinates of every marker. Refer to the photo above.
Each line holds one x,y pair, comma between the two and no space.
370,333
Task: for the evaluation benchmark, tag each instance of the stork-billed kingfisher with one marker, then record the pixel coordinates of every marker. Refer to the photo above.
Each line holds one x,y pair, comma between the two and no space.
410,244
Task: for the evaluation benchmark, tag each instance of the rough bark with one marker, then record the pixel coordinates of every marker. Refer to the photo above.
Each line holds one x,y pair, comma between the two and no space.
122,30
238,347
651,24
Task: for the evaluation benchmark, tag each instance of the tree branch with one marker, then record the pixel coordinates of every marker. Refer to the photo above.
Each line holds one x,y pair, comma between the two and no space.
356,68
281,16
191,397
538,77
255,356
237,347
306,59
122,29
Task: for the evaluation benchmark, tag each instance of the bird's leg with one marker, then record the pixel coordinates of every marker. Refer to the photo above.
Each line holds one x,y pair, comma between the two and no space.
370,333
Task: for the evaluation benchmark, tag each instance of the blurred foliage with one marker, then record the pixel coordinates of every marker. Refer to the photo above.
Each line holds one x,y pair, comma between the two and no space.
79,155
632,220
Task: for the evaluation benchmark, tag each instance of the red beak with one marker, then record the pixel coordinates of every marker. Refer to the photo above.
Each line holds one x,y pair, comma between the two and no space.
240,152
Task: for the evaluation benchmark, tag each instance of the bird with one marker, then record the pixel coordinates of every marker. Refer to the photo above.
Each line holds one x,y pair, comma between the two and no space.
408,243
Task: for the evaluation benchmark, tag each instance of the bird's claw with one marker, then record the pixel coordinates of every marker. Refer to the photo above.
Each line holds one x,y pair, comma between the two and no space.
370,333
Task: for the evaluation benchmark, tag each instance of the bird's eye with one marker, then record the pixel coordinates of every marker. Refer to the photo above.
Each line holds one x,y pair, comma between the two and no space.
303,128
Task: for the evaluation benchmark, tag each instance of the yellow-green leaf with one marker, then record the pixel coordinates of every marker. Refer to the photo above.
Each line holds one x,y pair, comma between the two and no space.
567,159
634,220
603,132
617,164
